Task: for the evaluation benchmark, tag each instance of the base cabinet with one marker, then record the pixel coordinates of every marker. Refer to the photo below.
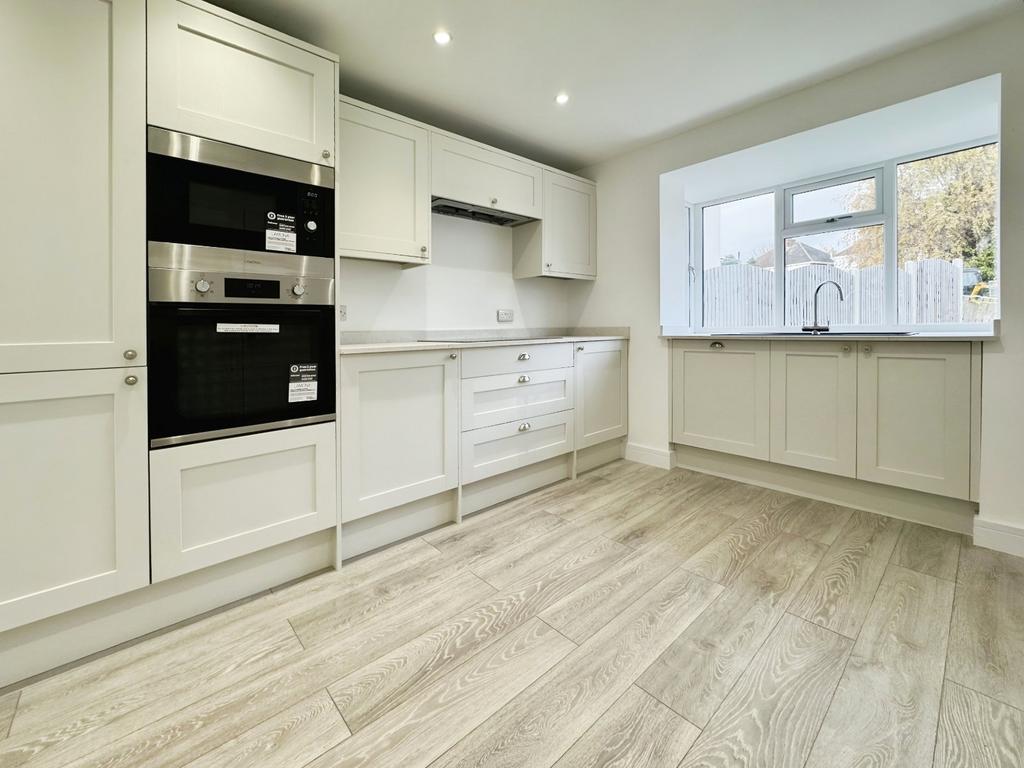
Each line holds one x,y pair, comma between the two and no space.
73,493
721,396
914,416
602,370
214,501
814,406
399,429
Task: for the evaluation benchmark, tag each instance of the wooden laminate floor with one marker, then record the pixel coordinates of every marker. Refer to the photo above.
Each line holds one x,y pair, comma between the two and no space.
633,617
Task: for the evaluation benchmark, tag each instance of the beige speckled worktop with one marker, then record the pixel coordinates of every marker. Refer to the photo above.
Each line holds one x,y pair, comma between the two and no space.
405,341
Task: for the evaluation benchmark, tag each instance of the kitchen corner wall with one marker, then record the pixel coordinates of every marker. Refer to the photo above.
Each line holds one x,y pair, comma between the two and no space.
627,289
470,277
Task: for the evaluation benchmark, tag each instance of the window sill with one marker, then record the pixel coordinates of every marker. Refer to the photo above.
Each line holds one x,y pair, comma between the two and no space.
980,334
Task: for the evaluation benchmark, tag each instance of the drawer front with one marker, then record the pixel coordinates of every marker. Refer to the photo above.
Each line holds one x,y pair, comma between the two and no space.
491,400
490,361
493,450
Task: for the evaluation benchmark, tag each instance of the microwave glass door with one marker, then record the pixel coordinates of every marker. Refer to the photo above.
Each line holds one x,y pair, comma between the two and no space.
237,368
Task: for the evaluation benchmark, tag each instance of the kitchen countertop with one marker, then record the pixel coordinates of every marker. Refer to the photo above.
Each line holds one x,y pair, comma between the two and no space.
409,346
363,343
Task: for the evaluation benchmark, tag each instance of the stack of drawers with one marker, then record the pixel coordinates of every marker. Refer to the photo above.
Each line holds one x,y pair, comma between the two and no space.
517,407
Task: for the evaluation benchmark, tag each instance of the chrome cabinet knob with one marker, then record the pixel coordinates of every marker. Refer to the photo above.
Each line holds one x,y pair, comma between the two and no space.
548,265
130,354
579,349
717,345
867,349
326,154
423,249
846,349
298,290
524,427
494,201
524,379
524,356
203,285
453,356
131,381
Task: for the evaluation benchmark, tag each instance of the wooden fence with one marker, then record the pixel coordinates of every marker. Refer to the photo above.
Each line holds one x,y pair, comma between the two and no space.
929,291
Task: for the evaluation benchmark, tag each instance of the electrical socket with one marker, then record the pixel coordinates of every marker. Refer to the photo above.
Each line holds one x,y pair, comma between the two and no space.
505,315
343,312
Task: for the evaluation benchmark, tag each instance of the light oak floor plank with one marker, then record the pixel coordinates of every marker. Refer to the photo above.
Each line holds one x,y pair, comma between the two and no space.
538,726
637,491
986,648
8,706
486,534
637,731
696,671
978,732
772,714
518,561
886,708
815,520
291,738
928,550
838,594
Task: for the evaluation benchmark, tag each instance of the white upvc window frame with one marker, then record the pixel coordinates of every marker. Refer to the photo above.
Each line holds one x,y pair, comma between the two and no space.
884,214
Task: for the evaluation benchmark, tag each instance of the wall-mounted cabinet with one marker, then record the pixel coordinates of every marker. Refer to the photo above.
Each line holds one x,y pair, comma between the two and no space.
383,186
602,371
73,490
220,76
73,185
399,429
564,242
470,173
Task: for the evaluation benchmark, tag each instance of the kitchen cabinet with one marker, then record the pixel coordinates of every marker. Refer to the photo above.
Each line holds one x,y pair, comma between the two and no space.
721,396
914,415
73,490
214,501
564,242
491,400
814,405
217,75
471,173
601,370
383,186
399,429
73,191
494,450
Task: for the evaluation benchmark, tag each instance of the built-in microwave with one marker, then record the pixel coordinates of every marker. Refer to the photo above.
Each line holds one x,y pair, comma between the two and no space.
212,205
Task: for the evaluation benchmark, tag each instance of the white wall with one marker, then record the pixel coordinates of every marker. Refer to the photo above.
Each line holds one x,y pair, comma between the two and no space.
628,249
470,277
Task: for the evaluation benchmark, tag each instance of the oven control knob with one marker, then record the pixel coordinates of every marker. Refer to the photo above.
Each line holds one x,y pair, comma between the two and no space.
311,225
298,290
203,286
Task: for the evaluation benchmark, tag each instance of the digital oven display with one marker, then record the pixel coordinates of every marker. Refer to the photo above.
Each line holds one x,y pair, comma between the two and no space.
239,288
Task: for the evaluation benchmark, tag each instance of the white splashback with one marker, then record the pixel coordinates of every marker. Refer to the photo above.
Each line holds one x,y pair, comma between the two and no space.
470,277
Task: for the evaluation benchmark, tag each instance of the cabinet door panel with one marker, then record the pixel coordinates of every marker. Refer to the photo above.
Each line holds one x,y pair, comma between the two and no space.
814,406
720,396
214,77
73,190
399,429
570,226
602,370
914,416
472,174
73,490
383,190
490,400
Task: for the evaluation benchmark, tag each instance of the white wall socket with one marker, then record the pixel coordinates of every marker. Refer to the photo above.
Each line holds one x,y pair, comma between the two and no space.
343,312
505,315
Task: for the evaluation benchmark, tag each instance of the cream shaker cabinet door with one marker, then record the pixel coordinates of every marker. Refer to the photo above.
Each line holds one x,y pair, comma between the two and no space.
720,396
570,227
383,187
73,491
602,370
399,429
217,75
222,499
73,191
469,173
914,416
814,405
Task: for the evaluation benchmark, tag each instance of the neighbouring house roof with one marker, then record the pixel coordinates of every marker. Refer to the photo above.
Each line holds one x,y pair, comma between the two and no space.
797,253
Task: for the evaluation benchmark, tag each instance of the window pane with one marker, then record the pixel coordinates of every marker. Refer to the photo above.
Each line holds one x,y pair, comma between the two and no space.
945,238
739,262
853,258
838,200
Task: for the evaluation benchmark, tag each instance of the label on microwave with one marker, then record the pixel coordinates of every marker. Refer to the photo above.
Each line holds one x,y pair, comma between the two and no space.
278,240
301,382
248,328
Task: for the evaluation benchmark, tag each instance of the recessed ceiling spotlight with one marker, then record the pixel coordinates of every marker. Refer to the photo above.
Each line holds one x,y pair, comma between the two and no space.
442,37
562,98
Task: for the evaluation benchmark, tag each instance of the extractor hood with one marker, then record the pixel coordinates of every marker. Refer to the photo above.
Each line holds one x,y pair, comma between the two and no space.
447,207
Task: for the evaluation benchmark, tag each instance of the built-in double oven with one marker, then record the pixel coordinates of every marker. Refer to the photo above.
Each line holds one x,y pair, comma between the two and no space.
241,290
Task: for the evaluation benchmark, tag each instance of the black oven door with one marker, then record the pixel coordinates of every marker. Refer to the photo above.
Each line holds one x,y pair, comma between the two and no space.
227,369
200,204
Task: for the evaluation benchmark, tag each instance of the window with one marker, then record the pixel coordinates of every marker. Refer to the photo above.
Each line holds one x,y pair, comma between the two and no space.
910,242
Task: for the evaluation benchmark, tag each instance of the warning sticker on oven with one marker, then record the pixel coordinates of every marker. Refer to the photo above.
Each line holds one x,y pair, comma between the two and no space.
302,382
248,328
280,232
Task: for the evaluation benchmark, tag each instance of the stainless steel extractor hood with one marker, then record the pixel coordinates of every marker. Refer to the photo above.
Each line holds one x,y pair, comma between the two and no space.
447,207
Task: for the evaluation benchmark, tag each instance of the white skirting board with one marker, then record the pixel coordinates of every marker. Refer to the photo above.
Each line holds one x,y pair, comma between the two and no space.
46,644
646,454
937,511
999,536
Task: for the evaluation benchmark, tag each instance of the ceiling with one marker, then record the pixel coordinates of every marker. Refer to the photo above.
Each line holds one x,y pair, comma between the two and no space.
635,71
